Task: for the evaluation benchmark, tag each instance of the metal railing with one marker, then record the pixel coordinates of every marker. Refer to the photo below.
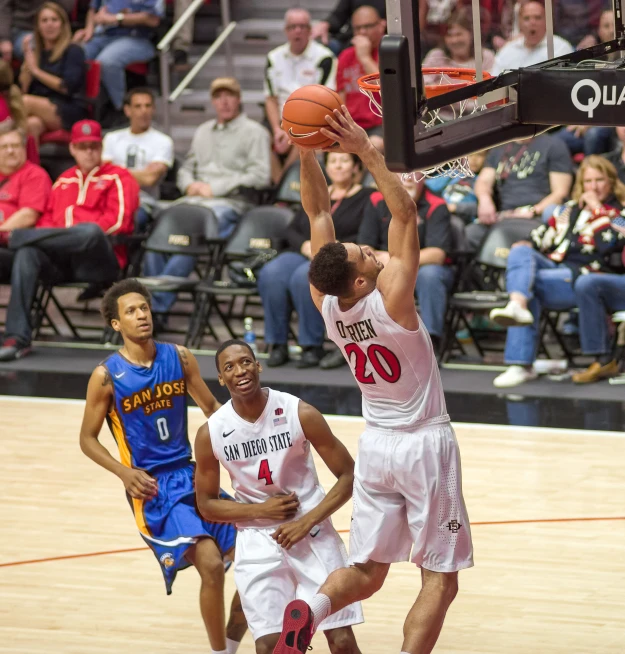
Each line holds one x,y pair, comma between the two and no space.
164,46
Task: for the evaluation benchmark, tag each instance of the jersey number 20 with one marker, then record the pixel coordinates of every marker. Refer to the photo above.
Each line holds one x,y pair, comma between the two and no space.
264,472
384,362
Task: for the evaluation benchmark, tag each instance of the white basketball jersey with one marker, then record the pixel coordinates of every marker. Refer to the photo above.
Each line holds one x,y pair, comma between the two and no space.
395,368
268,457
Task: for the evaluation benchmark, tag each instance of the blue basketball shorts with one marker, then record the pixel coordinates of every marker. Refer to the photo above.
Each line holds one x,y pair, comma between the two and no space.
170,524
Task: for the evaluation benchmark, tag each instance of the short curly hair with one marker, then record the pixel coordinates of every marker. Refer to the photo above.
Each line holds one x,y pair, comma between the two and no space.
110,308
331,272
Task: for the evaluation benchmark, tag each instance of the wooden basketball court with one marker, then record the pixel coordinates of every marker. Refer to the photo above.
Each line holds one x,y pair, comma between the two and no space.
548,515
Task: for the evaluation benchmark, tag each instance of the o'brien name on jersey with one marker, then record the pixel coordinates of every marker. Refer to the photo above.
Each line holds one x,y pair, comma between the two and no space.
358,332
154,400
258,446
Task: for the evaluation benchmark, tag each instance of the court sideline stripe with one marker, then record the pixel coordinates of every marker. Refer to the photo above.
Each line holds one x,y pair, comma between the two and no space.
68,557
473,425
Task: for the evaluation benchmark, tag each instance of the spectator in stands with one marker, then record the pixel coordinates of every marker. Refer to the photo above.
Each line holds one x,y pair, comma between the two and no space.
433,17
53,73
283,282
119,33
575,19
458,50
520,180
16,21
595,295
184,38
337,24
617,156
24,191
577,240
88,203
605,32
435,278
147,153
12,108
532,47
229,156
358,60
298,62
459,192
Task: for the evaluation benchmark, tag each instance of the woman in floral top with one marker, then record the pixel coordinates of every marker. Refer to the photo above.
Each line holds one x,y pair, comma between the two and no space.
577,240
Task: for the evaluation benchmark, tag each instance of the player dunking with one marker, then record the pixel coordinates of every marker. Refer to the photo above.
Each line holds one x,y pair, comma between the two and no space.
142,391
408,500
286,545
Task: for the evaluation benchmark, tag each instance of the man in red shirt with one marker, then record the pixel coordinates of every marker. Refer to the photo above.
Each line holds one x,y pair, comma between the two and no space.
88,203
358,60
24,191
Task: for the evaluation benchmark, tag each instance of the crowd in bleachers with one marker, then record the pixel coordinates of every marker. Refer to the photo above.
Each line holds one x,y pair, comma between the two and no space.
563,191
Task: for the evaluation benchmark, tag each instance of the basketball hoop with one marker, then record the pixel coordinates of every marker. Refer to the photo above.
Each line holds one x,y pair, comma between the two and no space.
438,81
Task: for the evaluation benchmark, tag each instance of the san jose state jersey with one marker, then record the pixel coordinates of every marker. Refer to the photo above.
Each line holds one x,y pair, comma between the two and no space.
268,457
395,368
148,417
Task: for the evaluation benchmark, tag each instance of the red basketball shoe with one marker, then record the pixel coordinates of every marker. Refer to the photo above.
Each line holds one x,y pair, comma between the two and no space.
296,629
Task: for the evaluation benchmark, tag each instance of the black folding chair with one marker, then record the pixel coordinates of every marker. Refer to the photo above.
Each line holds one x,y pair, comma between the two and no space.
487,271
185,229
260,229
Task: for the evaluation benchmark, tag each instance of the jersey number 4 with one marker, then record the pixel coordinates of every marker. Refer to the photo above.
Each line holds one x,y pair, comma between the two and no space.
384,362
264,472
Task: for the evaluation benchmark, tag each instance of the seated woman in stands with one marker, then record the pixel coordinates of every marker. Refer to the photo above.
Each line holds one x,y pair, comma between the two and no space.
12,108
283,282
53,73
578,240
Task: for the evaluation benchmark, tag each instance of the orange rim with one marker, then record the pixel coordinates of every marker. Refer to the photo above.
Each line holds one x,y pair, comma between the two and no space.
463,77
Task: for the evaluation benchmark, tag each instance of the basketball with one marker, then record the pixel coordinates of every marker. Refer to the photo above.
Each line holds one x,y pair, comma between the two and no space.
304,114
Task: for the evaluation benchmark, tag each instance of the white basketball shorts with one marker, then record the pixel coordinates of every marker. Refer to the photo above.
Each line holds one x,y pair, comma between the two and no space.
408,502
268,577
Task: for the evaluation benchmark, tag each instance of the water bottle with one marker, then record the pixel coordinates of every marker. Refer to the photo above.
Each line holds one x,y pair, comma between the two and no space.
248,335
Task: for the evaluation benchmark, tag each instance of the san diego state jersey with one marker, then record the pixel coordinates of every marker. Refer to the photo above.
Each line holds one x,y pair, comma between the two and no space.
395,368
268,457
149,414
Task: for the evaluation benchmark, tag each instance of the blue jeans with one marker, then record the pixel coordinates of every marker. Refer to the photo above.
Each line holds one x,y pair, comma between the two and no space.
115,53
283,285
597,294
434,283
596,140
155,264
543,283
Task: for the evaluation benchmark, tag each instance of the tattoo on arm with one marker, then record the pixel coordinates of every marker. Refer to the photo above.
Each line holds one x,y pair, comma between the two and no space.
107,381
184,358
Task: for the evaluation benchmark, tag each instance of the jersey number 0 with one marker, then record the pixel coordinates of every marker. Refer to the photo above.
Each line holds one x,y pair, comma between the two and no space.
384,362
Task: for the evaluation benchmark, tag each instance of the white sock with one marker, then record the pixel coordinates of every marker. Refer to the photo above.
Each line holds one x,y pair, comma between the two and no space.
321,608
221,651
232,646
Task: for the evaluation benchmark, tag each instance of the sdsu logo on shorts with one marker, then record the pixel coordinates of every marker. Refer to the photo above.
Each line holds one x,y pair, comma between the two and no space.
167,560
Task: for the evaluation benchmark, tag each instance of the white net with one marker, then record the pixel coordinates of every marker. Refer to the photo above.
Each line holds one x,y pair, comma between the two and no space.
455,168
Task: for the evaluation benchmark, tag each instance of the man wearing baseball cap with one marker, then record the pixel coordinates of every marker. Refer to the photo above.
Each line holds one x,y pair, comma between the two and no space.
88,203
229,158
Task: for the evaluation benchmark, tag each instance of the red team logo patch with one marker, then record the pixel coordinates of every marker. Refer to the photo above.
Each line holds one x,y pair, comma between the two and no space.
281,420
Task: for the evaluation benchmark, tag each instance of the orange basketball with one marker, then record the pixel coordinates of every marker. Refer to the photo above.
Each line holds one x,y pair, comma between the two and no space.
304,114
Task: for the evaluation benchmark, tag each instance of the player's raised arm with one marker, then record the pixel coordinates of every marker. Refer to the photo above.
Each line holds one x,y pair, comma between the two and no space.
196,386
397,281
207,489
316,201
340,463
99,396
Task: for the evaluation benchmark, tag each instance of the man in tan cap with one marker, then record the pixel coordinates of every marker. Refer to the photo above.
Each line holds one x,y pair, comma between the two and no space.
229,158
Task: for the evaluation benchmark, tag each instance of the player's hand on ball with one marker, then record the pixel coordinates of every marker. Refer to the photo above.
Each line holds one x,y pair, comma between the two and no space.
349,136
280,507
139,484
291,533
